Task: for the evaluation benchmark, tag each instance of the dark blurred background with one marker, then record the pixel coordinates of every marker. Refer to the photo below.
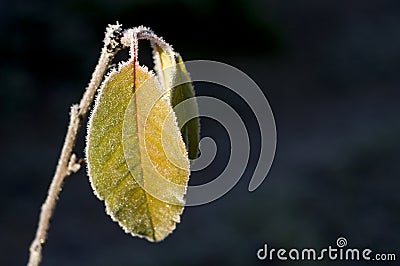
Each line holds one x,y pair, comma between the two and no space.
330,70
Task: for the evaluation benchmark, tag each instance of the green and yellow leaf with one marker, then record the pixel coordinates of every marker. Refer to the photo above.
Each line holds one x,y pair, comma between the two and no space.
179,90
137,162
183,93
164,65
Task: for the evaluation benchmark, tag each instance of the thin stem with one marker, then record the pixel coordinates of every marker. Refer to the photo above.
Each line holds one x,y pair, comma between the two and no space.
144,33
77,114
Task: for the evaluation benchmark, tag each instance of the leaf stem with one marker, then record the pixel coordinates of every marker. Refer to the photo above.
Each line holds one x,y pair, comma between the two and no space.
144,33
112,44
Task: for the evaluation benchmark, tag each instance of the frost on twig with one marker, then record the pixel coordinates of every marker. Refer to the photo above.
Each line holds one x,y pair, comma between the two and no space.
114,40
73,165
67,162
143,33
113,37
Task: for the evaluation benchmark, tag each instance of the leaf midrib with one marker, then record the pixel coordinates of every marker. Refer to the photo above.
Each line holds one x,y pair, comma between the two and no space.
140,149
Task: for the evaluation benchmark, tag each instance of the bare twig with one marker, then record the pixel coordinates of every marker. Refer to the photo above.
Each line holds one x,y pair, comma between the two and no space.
66,164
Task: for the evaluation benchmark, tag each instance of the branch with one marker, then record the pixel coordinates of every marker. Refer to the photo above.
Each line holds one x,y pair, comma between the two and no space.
66,164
